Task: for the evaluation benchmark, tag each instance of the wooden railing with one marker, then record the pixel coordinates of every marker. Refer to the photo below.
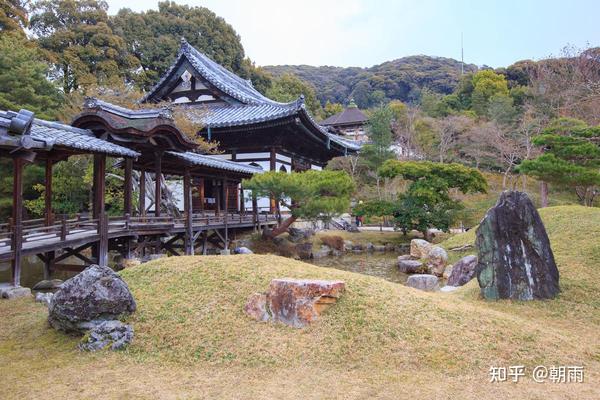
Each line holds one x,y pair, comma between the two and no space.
33,231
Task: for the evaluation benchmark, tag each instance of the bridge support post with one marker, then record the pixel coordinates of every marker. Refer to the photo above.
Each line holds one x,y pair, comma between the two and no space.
157,184
187,210
48,215
142,200
128,187
17,219
100,250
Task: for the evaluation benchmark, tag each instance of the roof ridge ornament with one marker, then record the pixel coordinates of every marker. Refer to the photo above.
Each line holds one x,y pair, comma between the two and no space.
91,102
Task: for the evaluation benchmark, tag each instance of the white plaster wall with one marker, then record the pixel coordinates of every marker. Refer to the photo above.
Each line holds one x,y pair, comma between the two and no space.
316,167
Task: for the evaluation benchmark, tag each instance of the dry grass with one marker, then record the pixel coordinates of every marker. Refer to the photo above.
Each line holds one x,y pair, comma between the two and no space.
382,340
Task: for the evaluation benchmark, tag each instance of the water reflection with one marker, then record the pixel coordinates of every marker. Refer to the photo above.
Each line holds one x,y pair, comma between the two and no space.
382,265
32,271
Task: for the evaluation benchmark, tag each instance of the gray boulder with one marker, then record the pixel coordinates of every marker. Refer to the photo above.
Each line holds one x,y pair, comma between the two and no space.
96,294
44,298
428,283
463,271
409,266
8,291
419,248
515,260
113,335
48,284
242,250
437,258
324,251
304,250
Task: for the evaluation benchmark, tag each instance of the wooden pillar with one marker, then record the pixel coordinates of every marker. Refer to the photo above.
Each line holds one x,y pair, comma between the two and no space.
142,199
48,216
98,208
17,219
272,167
201,195
254,209
187,210
157,187
242,200
128,187
217,191
226,184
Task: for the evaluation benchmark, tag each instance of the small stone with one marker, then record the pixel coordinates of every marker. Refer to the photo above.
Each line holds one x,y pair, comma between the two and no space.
15,292
436,260
324,251
405,257
379,248
428,283
448,288
242,250
348,245
152,257
463,271
44,298
370,247
48,284
410,266
304,250
113,335
419,248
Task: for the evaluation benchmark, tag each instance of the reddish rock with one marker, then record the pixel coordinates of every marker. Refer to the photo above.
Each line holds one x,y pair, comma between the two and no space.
294,302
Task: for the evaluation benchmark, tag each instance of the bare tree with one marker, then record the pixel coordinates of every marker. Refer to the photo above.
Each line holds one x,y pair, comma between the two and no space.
449,131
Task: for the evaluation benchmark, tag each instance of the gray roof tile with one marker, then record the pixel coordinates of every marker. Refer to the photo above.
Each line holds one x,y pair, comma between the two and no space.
214,162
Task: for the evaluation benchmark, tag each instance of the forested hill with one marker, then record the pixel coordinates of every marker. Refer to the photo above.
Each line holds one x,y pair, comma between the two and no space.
400,79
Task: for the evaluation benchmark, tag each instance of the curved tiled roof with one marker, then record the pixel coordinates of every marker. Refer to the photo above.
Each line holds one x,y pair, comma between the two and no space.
214,162
254,108
351,115
53,134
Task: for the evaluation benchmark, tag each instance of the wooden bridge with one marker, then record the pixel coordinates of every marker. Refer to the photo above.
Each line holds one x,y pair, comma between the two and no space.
213,197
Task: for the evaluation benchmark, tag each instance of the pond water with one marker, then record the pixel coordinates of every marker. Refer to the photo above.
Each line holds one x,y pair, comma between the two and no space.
32,271
382,265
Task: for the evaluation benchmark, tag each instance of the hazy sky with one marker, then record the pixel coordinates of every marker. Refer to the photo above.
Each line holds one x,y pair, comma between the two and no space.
364,33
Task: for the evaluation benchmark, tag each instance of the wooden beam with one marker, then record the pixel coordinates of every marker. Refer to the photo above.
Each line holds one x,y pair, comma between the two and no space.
128,187
157,186
272,167
142,200
218,197
226,214
48,216
17,219
201,194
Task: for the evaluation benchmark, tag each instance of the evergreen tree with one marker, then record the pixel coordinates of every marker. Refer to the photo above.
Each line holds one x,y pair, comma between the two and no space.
312,195
13,16
23,82
80,43
571,158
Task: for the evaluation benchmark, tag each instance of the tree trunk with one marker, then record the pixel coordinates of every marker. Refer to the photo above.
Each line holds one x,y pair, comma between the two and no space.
282,228
543,194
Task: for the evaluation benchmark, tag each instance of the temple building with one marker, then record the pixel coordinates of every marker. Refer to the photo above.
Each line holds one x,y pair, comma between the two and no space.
350,123
249,127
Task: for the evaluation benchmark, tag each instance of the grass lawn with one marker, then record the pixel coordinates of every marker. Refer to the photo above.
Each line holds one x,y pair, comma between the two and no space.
381,340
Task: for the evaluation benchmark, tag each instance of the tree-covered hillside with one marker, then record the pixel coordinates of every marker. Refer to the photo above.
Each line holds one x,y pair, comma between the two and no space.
401,79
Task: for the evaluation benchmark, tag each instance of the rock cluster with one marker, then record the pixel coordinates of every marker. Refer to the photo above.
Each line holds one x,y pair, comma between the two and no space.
90,299
423,257
113,335
515,260
294,302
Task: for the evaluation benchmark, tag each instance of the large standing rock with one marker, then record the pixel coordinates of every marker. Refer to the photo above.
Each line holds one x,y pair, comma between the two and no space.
437,258
428,283
463,271
419,248
515,260
294,302
95,294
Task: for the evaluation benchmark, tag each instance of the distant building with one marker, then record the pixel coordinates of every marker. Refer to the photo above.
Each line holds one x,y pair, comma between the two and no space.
350,123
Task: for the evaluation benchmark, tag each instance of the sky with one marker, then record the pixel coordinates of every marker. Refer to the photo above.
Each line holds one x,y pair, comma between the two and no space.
363,33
